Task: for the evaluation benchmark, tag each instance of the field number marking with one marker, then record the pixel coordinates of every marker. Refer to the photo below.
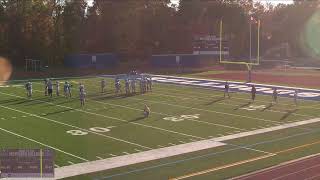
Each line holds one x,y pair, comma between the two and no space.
94,129
182,117
254,108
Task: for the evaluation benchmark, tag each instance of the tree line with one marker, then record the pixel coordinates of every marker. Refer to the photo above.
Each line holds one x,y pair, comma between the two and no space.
50,29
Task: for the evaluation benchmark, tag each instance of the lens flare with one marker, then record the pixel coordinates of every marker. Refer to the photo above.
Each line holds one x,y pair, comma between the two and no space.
310,39
5,70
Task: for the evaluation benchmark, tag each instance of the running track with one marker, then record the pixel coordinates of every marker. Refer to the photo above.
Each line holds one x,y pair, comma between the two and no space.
305,169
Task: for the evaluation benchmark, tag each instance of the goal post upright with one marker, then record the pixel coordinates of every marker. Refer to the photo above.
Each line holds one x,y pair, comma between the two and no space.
240,62
250,64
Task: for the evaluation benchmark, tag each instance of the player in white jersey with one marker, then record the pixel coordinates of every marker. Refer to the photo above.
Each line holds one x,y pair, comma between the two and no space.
82,97
50,87
149,81
28,87
57,88
133,86
69,90
81,87
103,85
65,89
118,86
146,111
127,86
46,87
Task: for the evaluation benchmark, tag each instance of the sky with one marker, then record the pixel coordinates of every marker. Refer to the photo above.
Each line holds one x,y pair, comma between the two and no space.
274,2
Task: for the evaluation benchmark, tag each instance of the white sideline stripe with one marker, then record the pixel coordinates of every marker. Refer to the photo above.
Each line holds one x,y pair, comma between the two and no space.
265,130
69,125
100,165
24,137
304,107
125,160
56,166
137,150
222,81
109,117
70,162
112,155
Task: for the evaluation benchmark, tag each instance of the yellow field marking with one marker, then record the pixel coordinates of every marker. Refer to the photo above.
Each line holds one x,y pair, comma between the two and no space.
297,147
222,167
242,162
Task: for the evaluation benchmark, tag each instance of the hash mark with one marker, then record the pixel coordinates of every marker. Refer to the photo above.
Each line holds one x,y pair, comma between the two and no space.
99,157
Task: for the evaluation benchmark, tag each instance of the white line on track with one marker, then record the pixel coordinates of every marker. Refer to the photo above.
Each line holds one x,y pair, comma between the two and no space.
296,172
69,125
59,150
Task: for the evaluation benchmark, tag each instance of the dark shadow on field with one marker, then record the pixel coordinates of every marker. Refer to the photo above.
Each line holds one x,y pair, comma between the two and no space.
215,101
57,112
32,101
267,107
288,113
10,101
242,106
137,119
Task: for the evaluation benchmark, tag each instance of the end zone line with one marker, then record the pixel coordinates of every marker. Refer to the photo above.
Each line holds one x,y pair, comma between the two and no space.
59,150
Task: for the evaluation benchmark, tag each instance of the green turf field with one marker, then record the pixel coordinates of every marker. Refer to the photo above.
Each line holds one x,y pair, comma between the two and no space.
110,126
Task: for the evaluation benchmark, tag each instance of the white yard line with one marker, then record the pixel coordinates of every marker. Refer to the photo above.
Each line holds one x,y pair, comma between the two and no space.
69,125
120,161
163,114
109,117
205,110
210,95
43,144
225,104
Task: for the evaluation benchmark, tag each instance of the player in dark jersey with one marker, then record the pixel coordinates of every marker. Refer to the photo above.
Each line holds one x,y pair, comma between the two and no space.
253,93
226,90
275,95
